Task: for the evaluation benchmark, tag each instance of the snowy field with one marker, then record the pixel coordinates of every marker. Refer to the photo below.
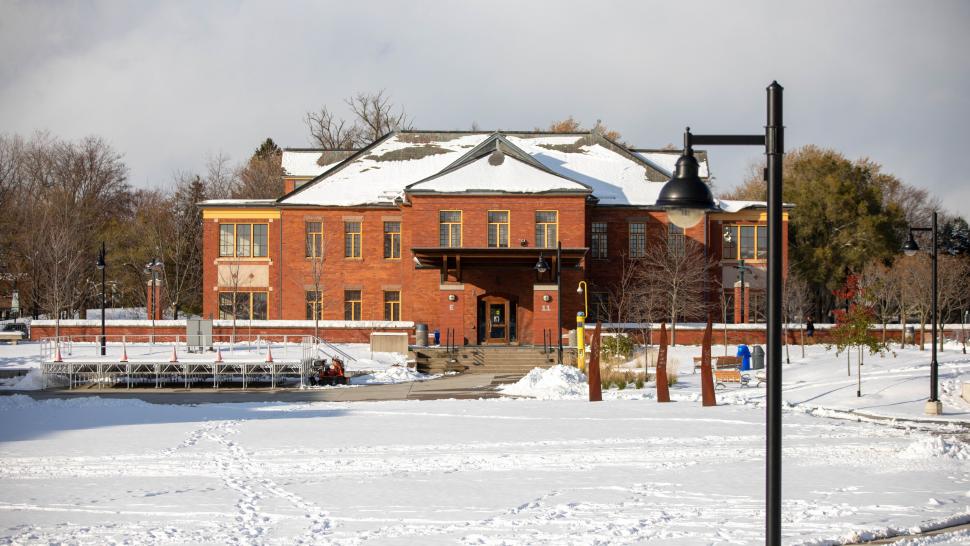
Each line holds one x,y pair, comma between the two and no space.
506,471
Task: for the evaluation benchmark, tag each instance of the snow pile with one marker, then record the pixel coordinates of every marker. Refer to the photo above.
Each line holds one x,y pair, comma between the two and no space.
557,382
394,374
32,381
937,446
22,401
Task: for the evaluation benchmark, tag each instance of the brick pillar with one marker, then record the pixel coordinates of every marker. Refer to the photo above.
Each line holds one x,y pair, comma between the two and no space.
157,296
544,313
738,302
454,304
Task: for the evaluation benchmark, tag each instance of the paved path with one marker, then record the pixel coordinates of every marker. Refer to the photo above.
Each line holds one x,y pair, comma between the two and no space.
457,386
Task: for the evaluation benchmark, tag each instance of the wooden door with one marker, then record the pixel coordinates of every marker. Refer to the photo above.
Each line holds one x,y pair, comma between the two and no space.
496,320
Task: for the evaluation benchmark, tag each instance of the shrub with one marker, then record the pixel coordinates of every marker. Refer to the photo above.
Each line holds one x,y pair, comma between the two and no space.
639,382
616,347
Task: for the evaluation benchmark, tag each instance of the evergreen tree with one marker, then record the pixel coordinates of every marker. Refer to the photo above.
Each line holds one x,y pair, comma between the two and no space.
268,149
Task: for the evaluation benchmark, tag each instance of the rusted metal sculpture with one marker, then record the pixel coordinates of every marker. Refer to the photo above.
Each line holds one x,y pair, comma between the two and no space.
663,387
707,376
595,389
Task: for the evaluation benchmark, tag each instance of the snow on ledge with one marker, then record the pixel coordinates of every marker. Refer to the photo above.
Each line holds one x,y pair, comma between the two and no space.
239,323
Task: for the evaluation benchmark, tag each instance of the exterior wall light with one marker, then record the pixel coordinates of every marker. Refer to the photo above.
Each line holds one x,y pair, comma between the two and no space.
452,297
547,298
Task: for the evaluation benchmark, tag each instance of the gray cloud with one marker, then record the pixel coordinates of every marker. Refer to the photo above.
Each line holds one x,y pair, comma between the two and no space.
169,84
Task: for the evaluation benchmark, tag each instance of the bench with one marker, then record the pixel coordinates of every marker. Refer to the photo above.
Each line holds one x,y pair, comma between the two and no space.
12,337
720,361
721,377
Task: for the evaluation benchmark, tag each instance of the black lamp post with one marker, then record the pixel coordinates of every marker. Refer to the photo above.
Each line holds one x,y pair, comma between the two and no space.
910,248
686,197
102,267
541,266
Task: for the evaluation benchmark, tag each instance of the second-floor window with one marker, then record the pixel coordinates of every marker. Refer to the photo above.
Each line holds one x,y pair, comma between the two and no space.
748,242
392,240
498,228
243,240
449,228
314,239
352,239
547,228
598,242
638,239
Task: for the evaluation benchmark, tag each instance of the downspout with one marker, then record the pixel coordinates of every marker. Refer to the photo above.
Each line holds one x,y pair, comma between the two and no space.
279,273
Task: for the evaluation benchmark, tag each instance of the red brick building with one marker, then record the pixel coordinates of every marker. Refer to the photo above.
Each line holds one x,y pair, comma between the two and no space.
446,228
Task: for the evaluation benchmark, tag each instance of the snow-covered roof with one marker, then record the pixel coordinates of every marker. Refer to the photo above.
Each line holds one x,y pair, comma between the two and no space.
238,203
666,160
487,174
728,205
302,162
417,161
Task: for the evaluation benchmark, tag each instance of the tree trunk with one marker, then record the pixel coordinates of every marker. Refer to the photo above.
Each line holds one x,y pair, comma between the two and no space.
848,362
922,332
902,321
802,334
673,329
858,368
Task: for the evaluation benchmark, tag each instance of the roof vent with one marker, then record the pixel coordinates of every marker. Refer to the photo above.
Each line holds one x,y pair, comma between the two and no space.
497,157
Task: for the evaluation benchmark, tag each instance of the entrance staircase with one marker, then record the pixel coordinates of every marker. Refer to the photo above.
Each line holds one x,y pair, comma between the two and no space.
513,362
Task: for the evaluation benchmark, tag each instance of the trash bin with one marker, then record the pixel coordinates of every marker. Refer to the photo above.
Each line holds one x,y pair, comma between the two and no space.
437,336
745,355
421,335
758,358
910,334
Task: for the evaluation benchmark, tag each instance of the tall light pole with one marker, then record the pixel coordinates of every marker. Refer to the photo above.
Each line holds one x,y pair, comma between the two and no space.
583,289
102,267
686,198
933,405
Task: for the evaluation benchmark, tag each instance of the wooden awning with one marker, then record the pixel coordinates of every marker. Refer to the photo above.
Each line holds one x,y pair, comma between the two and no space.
453,260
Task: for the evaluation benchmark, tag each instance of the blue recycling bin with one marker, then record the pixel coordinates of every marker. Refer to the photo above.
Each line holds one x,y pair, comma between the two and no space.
437,337
745,355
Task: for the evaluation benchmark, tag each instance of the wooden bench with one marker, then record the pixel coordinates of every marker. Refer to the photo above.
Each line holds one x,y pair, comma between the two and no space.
722,377
12,337
720,361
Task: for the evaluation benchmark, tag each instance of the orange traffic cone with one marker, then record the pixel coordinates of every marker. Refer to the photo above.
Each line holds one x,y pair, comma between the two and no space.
269,354
218,355
175,357
57,357
124,353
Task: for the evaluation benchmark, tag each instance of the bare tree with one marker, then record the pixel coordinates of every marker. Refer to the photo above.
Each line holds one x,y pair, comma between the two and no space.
878,286
797,298
58,265
376,116
260,178
913,275
316,250
681,275
329,132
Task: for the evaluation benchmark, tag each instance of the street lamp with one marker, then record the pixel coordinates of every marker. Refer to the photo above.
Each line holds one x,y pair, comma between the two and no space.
102,267
542,266
910,248
581,327
152,268
583,289
686,197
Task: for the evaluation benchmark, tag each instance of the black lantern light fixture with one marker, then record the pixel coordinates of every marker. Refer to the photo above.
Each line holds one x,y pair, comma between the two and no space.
686,198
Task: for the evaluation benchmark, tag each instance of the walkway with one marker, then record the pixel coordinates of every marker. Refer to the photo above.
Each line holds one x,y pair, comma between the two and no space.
464,386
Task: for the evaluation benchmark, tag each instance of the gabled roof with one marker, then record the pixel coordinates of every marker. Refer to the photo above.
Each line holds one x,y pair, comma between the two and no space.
497,171
666,160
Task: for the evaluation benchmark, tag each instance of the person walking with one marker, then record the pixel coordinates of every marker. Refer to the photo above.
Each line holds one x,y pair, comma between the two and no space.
810,327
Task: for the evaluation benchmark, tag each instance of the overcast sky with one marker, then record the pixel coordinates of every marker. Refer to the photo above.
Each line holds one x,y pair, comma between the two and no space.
171,84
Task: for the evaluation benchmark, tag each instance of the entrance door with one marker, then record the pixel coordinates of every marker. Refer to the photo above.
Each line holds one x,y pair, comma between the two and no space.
496,320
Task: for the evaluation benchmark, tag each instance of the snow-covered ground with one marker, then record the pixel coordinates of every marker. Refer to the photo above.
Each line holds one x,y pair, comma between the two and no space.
505,471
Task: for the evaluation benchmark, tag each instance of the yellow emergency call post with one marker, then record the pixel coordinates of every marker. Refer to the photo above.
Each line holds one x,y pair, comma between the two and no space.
580,328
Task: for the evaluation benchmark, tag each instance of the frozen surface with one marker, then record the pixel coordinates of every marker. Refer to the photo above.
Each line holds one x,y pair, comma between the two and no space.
505,471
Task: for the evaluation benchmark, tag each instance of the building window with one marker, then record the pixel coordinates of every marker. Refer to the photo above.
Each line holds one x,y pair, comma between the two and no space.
351,304
675,239
749,242
547,228
314,305
638,240
392,240
248,305
227,236
243,240
729,248
599,307
352,239
314,239
498,228
761,243
392,305
598,242
757,306
449,228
